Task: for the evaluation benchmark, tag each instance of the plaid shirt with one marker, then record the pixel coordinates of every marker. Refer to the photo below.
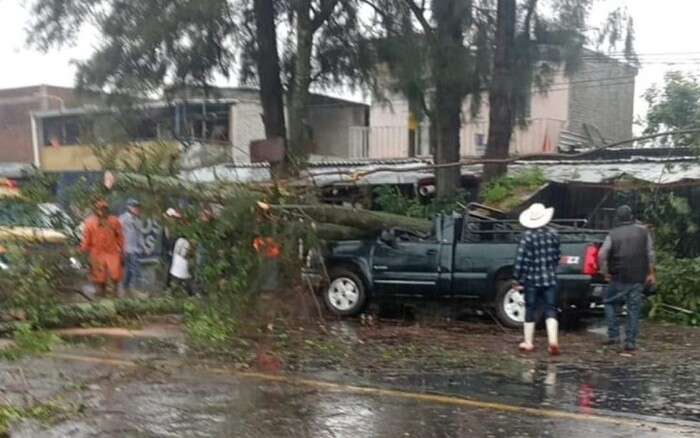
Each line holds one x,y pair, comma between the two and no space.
538,257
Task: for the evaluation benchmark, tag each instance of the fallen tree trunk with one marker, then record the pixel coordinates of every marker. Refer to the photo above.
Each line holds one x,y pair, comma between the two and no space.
103,312
165,185
339,232
365,220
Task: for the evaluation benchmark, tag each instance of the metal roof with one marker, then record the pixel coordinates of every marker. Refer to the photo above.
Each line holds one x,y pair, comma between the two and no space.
650,169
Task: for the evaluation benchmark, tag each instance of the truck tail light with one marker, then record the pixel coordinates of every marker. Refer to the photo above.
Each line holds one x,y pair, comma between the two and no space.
590,260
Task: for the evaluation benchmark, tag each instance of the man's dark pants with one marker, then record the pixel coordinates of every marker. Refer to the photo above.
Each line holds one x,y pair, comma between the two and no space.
617,295
536,297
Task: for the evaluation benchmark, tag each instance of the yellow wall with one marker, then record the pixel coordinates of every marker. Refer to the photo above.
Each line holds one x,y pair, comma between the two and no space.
82,157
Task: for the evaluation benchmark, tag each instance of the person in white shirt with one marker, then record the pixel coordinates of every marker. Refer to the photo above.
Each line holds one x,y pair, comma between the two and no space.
180,266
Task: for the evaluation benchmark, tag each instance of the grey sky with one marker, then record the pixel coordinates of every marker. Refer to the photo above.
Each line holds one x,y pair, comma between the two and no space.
666,39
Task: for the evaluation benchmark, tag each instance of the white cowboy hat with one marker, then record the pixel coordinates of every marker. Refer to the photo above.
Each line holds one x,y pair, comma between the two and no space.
171,212
536,216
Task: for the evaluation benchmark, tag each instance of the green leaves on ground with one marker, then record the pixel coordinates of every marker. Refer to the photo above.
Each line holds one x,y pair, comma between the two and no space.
678,291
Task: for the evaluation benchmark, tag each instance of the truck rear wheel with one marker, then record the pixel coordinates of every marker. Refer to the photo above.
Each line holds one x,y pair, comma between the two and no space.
510,305
345,295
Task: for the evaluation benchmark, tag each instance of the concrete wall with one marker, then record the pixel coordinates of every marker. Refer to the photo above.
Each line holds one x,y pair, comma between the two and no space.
82,157
388,133
16,104
331,127
246,126
602,94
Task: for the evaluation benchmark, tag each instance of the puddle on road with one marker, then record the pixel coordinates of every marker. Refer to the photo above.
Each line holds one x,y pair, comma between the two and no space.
149,341
666,393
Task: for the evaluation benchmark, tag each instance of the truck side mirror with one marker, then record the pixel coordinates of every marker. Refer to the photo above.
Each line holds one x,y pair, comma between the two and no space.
388,238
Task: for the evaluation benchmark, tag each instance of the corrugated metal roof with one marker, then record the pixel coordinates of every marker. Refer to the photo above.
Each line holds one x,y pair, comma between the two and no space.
649,169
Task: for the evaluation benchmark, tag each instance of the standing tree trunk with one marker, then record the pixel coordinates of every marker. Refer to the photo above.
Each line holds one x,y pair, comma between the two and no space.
502,114
271,92
298,101
448,124
449,66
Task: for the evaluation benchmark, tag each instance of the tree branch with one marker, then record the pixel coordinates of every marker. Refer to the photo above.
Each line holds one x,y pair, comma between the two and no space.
418,13
531,7
327,7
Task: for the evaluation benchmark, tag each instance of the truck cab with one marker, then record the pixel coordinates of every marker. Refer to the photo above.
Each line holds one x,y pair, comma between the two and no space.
467,260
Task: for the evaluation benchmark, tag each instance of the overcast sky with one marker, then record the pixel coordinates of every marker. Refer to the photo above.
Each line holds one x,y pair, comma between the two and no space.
666,38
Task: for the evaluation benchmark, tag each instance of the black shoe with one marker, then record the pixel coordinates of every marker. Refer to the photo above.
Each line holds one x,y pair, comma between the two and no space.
611,342
630,348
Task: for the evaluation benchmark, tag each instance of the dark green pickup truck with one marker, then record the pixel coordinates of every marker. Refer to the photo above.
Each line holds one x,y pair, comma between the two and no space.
466,260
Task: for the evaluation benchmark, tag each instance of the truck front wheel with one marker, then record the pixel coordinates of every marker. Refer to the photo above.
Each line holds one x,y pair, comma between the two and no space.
345,295
510,305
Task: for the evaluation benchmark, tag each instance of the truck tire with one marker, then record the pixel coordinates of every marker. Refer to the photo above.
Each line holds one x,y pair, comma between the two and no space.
345,294
509,305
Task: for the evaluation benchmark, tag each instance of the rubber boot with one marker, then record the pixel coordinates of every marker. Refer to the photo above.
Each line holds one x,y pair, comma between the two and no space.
553,336
529,335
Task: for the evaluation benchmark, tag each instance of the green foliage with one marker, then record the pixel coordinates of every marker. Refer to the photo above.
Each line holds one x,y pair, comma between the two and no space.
392,200
35,283
46,413
28,341
505,192
674,106
678,291
206,325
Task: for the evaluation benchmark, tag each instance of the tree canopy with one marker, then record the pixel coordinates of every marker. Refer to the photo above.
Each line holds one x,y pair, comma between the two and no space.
675,105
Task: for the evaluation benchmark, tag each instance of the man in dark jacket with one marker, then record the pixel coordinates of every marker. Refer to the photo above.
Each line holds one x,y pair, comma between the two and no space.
627,260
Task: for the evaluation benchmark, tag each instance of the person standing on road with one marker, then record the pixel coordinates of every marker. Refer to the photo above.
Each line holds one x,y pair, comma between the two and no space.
103,241
133,247
627,260
535,274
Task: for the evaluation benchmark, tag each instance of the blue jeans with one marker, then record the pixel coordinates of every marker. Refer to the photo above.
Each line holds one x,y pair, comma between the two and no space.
617,295
540,296
132,272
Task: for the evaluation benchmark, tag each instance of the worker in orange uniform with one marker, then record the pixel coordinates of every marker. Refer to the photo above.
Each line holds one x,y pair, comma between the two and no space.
270,250
103,241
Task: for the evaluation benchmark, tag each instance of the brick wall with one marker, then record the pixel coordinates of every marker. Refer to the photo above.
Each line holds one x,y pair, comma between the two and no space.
602,94
16,104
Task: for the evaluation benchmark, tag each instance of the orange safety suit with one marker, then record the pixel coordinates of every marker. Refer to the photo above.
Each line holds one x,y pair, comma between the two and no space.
267,246
103,241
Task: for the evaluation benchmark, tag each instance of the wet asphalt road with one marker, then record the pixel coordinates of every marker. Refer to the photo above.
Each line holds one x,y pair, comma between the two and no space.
126,394
151,401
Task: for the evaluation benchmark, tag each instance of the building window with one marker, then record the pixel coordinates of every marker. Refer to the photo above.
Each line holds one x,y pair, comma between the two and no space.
479,144
61,131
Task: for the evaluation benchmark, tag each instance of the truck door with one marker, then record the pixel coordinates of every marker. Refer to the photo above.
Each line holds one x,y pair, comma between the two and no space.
408,267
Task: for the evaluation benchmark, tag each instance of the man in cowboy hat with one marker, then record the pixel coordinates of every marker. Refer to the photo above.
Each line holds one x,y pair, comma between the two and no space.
535,273
627,260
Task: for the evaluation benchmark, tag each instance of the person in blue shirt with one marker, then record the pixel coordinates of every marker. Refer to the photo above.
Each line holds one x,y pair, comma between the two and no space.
133,248
535,274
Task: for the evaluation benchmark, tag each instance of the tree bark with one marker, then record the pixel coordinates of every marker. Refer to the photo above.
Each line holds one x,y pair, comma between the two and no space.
171,186
448,56
298,99
448,111
271,92
501,113
366,220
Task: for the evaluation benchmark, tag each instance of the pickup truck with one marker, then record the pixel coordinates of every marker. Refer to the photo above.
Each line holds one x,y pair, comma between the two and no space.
466,260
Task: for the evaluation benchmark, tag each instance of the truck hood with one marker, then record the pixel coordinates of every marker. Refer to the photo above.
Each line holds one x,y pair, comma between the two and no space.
32,235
